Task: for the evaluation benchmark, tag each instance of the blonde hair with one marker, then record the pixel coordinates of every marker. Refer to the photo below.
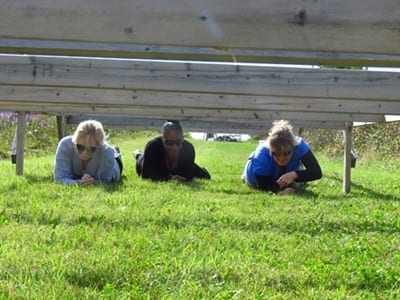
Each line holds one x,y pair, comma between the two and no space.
89,128
280,137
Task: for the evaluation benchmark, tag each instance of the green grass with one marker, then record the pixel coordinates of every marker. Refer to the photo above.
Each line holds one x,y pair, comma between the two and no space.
215,239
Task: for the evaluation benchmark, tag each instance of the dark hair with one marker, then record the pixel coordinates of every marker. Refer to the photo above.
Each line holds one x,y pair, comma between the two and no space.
172,125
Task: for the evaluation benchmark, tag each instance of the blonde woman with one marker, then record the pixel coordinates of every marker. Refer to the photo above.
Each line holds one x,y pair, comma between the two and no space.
86,158
281,162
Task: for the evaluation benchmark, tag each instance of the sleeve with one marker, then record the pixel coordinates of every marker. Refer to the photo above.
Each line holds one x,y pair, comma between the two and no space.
186,161
153,165
63,172
312,169
107,172
267,183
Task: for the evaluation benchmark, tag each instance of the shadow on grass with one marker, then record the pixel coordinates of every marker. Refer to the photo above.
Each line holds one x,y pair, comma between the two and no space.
48,179
125,181
308,226
360,190
34,179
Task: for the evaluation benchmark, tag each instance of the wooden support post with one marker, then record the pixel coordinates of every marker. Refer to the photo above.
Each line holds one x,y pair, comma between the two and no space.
20,142
347,157
62,126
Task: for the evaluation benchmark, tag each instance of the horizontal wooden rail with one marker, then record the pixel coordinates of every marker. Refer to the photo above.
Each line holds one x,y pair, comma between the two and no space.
249,127
175,76
194,91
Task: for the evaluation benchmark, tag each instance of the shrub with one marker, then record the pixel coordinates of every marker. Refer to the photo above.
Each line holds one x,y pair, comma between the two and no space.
41,134
379,138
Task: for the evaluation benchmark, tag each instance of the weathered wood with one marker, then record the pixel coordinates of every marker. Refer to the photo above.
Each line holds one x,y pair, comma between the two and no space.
20,142
191,90
204,114
38,47
62,126
93,97
249,80
358,26
347,158
212,127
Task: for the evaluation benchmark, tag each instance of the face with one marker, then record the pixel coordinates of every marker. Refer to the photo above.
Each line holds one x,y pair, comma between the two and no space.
172,142
282,158
86,147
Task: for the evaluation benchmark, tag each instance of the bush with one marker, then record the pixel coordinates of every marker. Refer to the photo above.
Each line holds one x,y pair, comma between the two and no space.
42,136
41,133
380,138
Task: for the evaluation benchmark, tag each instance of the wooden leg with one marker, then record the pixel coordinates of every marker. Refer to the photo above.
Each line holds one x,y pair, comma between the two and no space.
347,157
62,126
20,142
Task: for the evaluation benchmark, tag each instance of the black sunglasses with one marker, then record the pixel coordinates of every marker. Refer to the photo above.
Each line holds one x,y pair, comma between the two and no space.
82,148
286,153
172,142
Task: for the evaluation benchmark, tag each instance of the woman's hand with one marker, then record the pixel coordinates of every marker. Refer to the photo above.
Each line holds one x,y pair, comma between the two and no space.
178,177
286,179
87,179
287,191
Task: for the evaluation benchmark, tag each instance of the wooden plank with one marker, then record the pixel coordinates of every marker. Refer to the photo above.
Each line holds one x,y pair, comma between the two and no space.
92,97
198,53
161,112
134,76
212,127
358,26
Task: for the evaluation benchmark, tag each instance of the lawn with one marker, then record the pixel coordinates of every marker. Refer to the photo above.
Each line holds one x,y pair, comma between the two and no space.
216,239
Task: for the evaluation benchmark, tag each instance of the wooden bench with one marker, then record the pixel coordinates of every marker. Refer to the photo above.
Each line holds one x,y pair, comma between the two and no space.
137,63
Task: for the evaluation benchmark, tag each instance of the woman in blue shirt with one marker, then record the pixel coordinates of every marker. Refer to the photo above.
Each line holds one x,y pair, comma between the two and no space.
86,158
281,162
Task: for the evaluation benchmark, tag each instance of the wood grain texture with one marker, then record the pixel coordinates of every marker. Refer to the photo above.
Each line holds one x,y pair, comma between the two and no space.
306,26
89,85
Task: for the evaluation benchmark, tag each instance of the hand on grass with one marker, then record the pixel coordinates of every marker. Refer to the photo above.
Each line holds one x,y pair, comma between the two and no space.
286,179
287,191
87,179
177,177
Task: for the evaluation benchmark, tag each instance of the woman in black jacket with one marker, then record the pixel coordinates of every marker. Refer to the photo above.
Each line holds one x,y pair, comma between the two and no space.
169,157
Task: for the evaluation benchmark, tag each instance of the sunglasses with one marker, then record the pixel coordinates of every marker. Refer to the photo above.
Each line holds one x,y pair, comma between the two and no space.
172,142
82,148
286,153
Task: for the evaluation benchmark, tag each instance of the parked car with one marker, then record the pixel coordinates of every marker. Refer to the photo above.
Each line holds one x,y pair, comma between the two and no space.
227,138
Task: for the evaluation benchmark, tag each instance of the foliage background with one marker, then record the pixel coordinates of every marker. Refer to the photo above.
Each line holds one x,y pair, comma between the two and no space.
374,139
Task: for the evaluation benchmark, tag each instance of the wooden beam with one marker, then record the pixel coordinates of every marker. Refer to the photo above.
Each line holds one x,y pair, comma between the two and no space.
212,127
354,27
162,52
62,126
101,97
199,114
20,142
347,157
137,77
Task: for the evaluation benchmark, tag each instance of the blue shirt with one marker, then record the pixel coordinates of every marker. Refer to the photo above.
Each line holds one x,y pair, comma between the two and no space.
68,169
261,162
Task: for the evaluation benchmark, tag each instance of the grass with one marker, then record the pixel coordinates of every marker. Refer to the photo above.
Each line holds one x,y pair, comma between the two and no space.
215,239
